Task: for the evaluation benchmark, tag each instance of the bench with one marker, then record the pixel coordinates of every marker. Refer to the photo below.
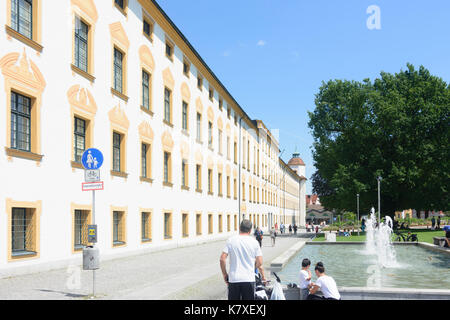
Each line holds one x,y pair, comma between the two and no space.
439,241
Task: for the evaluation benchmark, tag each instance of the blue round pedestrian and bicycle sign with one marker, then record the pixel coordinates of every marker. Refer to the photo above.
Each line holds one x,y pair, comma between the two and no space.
92,159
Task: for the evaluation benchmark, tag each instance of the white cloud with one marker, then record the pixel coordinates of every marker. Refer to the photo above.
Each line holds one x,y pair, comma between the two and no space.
261,43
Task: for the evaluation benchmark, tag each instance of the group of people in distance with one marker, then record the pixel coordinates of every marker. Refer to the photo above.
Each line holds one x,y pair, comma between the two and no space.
324,283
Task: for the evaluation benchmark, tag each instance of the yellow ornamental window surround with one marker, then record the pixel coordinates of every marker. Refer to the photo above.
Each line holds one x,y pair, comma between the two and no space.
146,137
82,106
22,76
120,42
119,123
147,65
86,11
35,42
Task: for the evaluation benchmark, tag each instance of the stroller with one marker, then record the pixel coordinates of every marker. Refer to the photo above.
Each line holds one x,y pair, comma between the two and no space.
262,292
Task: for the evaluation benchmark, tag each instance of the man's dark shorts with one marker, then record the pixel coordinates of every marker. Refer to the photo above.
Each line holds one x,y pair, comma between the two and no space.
241,291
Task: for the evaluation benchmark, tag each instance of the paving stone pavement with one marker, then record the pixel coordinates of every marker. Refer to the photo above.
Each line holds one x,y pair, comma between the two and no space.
188,273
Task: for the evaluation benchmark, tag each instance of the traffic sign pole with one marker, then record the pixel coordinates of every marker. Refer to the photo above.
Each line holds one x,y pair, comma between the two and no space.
93,220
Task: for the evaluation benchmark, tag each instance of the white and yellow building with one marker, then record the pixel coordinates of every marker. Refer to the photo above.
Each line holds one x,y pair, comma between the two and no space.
183,162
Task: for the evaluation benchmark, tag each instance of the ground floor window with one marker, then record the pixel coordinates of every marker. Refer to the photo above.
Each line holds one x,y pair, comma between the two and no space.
146,225
23,231
210,223
185,225
118,228
81,226
167,225
198,223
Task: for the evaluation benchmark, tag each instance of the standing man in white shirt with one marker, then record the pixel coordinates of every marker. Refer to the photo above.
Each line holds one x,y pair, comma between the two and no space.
305,279
326,284
245,255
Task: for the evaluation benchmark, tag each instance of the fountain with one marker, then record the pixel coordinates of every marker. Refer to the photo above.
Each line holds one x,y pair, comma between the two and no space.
378,241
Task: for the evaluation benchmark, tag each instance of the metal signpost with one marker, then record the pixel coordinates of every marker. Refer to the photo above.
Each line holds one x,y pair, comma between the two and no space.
92,160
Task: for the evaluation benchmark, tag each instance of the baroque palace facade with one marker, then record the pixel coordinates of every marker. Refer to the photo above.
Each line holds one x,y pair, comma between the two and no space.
184,163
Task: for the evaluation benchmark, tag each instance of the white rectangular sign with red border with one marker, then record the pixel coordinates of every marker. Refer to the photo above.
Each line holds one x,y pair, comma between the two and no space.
90,186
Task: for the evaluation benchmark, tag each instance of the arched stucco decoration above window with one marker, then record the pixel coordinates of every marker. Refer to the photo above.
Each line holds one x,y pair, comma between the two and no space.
118,118
119,35
82,98
167,141
210,163
146,57
88,7
235,173
228,129
228,169
220,123
199,105
168,79
198,157
210,114
146,131
185,92
184,149
220,167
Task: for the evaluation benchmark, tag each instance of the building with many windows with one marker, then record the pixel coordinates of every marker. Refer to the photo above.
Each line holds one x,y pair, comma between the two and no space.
183,163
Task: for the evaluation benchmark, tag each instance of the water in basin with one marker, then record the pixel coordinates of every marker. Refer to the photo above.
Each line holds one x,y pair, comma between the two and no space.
351,266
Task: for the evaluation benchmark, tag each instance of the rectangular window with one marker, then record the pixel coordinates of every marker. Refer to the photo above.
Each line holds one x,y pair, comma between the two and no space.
167,225
235,188
229,112
211,94
79,139
235,152
145,90
228,148
210,135
118,70
210,223
167,102
220,224
235,222
166,167
228,187
198,224
117,139
198,176
80,232
185,116
147,28
184,174
20,122
220,141
22,17
169,50
118,228
200,83
219,182
210,181
120,3
220,104
81,44
185,225
228,223
144,161
146,224
186,67
199,127
22,231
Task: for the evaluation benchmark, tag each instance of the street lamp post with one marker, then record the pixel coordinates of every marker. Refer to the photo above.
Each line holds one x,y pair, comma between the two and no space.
357,205
379,201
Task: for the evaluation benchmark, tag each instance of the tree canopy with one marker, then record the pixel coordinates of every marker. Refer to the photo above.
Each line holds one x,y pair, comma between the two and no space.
396,127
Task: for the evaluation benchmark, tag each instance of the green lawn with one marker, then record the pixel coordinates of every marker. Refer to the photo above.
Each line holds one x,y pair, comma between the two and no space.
424,235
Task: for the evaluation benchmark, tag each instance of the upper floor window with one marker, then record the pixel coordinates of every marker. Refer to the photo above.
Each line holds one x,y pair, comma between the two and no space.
79,138
145,90
81,44
199,127
22,17
167,105
186,67
117,139
148,29
118,70
169,50
20,122
185,116
200,82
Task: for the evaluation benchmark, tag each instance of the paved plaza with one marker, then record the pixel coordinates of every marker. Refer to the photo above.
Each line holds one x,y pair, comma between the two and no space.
189,273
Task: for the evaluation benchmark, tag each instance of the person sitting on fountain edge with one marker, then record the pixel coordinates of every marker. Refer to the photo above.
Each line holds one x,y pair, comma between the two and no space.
325,283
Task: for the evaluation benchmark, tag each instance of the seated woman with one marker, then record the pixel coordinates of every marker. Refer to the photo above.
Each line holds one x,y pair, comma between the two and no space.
324,283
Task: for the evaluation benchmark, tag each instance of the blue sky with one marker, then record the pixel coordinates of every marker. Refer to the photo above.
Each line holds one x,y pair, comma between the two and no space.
272,55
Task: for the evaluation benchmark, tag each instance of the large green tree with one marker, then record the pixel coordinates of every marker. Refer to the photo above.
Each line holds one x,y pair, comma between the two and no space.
396,127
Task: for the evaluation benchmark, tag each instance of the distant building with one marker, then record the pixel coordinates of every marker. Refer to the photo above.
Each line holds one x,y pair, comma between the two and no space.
315,212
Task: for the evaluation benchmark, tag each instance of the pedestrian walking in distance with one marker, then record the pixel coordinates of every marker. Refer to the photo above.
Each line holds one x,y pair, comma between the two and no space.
259,236
273,235
245,254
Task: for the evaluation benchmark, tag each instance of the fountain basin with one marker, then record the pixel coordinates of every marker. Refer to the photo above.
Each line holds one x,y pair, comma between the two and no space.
350,266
